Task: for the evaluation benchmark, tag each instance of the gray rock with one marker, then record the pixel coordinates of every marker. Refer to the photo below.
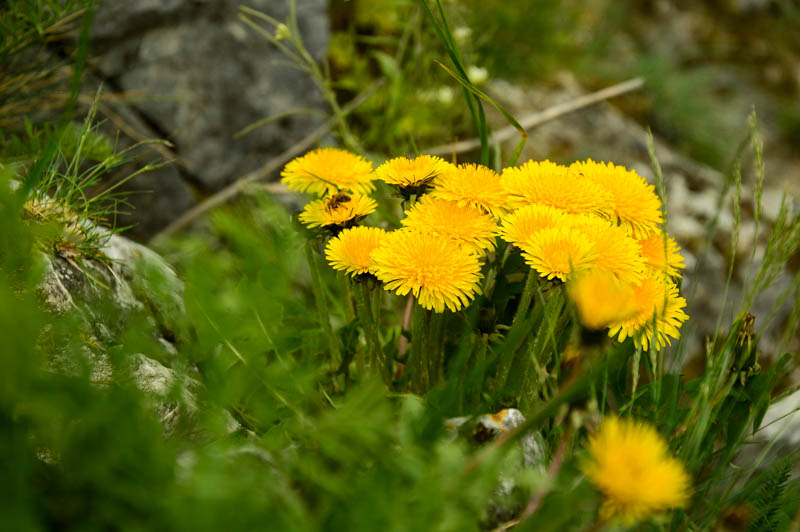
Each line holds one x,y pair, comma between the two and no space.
199,75
506,502
126,282
159,384
130,279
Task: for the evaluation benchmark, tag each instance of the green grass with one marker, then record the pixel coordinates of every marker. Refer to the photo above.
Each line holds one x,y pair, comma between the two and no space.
281,344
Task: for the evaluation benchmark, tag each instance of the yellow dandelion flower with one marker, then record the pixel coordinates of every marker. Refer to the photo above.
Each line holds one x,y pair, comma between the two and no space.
522,223
327,171
601,298
467,225
474,185
556,252
616,251
438,271
341,210
547,183
659,314
630,463
636,205
665,261
350,251
417,173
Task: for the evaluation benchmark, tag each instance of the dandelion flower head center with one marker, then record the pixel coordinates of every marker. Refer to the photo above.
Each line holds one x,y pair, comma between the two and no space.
468,225
438,271
405,172
524,222
636,205
327,171
474,185
556,252
352,249
337,209
631,465
547,183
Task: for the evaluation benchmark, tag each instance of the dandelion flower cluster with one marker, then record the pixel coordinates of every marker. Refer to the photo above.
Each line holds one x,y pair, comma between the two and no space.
597,226
593,225
630,464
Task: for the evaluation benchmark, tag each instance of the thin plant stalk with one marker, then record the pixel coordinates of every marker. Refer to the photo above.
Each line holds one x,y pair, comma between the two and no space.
367,320
436,347
417,366
322,310
526,297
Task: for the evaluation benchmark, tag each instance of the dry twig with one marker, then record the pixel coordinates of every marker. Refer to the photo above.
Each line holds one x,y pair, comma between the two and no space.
535,119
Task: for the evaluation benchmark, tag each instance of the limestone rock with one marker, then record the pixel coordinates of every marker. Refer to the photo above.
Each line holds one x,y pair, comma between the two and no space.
506,502
129,282
200,75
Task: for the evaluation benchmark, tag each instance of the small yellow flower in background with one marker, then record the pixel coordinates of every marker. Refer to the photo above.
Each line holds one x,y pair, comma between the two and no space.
340,209
557,252
662,254
412,173
351,250
636,205
469,226
601,298
616,251
327,171
524,222
659,314
548,183
630,463
474,185
438,271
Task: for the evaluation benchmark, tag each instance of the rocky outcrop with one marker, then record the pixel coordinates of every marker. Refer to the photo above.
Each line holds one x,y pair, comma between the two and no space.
508,501
190,72
128,285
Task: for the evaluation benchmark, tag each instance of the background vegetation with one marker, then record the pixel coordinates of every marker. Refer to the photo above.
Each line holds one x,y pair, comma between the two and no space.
267,438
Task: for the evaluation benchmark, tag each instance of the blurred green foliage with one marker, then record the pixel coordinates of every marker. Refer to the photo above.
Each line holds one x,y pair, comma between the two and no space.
704,64
271,437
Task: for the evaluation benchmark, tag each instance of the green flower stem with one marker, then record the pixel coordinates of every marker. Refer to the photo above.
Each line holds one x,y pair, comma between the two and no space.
367,320
505,363
377,302
417,366
349,311
526,298
436,347
322,309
